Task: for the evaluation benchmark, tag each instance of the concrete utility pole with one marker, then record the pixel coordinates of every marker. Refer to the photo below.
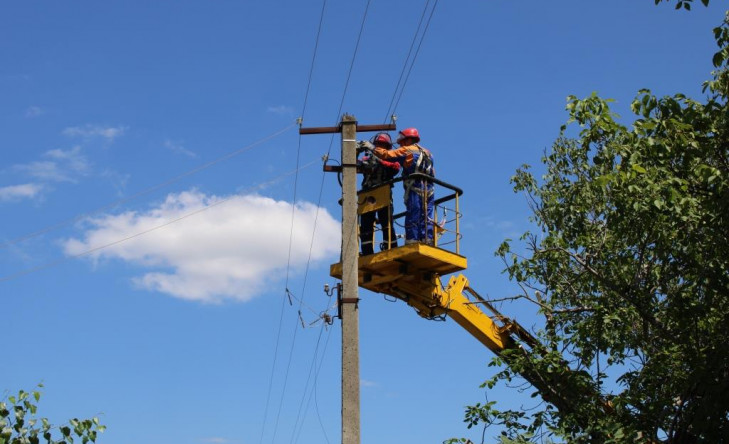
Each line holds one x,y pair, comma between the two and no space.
350,287
349,299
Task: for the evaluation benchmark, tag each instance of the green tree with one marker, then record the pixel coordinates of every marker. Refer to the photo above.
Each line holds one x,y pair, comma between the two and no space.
685,4
20,425
630,270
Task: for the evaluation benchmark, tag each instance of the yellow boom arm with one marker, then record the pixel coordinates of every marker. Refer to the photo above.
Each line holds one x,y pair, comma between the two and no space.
412,273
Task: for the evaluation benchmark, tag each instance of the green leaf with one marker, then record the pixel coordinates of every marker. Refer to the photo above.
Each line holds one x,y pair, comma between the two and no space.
602,181
718,59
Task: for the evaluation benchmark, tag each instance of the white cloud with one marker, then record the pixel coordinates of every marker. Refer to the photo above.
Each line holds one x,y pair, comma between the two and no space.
34,111
64,166
216,440
178,148
72,159
233,250
18,192
108,133
281,109
44,170
367,383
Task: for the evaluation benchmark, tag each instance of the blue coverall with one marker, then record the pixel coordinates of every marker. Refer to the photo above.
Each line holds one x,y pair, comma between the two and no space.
419,195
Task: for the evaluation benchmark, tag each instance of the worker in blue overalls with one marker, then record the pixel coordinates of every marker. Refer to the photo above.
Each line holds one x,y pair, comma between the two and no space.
419,194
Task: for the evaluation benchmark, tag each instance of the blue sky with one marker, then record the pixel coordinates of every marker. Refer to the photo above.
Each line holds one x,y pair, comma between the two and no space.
149,169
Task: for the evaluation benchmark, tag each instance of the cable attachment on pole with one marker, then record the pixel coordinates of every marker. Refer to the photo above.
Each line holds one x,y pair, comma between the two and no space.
299,121
328,319
329,291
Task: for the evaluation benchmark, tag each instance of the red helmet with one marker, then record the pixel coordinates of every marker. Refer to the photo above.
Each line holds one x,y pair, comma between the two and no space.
409,133
382,138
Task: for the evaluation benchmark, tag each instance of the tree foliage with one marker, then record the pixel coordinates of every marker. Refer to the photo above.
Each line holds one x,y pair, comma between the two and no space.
684,4
20,425
630,269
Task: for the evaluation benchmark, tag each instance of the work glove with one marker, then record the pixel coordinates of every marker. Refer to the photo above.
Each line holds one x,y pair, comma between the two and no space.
364,145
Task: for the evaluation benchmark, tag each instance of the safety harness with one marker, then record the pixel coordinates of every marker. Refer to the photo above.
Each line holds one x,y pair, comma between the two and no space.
423,165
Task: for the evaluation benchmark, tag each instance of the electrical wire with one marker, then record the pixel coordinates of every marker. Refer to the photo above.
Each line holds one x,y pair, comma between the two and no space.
314,391
392,109
293,342
291,232
273,367
313,57
292,296
146,190
299,422
393,104
422,37
354,57
286,282
285,383
141,233
303,289
316,378
405,63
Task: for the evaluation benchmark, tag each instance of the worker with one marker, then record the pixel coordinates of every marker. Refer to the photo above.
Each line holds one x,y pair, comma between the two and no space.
419,195
377,172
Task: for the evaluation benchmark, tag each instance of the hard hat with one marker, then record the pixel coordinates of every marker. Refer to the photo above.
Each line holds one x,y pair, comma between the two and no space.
409,133
383,138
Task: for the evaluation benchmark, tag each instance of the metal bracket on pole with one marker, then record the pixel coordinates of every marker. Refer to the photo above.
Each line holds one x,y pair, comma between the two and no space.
338,129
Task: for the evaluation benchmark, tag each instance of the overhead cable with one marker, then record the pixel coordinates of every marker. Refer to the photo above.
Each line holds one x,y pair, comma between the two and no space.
141,233
344,93
313,57
313,369
341,104
291,231
393,108
405,63
351,64
146,190
315,391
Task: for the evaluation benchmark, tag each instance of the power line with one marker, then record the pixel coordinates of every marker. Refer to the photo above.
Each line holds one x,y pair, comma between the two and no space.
291,231
316,379
303,290
293,341
422,37
313,57
315,370
405,63
147,190
354,57
410,68
141,233
393,105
